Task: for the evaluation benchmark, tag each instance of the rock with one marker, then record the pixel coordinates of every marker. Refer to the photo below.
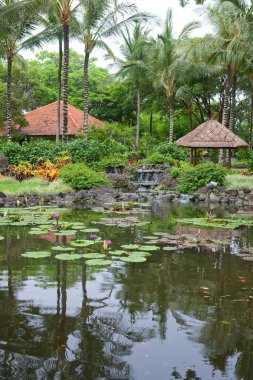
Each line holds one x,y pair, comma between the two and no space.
239,203
166,181
2,195
225,200
105,198
128,197
214,198
232,193
202,197
81,194
118,180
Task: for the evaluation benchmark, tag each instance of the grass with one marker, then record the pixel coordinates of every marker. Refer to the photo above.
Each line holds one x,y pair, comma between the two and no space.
237,182
37,186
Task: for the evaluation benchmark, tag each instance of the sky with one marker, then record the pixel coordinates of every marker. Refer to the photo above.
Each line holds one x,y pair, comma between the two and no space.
181,17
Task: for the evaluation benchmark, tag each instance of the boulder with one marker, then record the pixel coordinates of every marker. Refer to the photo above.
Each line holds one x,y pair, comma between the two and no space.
214,198
231,192
2,195
118,180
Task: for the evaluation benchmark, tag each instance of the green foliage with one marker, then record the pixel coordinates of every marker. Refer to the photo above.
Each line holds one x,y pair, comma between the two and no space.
200,176
113,161
157,158
237,182
183,167
39,186
172,150
81,177
78,149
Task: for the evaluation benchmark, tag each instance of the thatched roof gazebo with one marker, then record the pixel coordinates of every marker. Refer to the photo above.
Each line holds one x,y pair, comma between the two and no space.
211,134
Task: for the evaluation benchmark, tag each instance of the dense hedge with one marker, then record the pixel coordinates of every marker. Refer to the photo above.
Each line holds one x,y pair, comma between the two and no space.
174,151
201,175
81,177
78,149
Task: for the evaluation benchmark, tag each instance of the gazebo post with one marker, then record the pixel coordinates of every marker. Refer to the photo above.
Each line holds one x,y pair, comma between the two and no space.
195,156
229,158
192,158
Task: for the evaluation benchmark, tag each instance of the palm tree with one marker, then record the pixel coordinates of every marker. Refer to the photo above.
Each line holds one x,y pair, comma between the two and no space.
66,9
17,33
168,65
101,20
130,66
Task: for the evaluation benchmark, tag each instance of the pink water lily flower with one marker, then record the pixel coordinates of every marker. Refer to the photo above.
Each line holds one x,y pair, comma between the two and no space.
93,236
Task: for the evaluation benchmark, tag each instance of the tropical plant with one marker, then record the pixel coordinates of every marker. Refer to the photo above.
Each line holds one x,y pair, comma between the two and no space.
103,19
81,177
134,53
17,33
201,175
167,66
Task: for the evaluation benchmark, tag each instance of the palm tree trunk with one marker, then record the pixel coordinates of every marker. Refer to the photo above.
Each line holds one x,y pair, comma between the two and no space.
226,97
151,123
190,115
232,104
65,83
251,120
8,100
86,95
171,112
137,139
58,127
225,107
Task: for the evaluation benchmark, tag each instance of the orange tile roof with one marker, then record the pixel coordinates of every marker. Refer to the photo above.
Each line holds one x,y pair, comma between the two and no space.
43,121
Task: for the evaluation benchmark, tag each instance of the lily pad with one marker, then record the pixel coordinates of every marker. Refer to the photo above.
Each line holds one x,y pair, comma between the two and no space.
98,262
1,238
60,248
68,257
36,254
117,253
65,233
131,246
82,243
94,255
170,248
148,248
140,254
38,232
90,230
133,259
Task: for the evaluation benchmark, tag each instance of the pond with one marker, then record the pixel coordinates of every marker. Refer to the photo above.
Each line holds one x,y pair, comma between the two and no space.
185,313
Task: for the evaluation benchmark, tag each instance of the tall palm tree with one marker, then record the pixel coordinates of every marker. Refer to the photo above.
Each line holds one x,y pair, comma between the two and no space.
134,53
168,65
66,9
17,33
101,20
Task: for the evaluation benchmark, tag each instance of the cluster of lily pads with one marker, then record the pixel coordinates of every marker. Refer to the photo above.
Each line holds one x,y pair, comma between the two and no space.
178,242
102,256
28,216
121,222
230,223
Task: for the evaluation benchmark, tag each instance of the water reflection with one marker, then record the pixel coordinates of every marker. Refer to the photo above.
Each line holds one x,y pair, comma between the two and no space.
63,320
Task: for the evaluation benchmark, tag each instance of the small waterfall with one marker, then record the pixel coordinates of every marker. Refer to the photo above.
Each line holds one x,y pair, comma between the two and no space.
147,178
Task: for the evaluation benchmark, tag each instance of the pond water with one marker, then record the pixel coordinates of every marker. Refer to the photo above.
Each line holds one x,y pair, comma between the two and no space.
184,314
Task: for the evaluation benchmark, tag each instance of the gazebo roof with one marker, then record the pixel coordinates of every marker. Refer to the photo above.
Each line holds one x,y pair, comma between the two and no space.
211,134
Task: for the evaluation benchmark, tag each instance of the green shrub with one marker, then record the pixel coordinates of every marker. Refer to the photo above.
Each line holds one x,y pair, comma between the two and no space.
157,158
200,176
81,177
79,150
181,168
113,162
173,150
